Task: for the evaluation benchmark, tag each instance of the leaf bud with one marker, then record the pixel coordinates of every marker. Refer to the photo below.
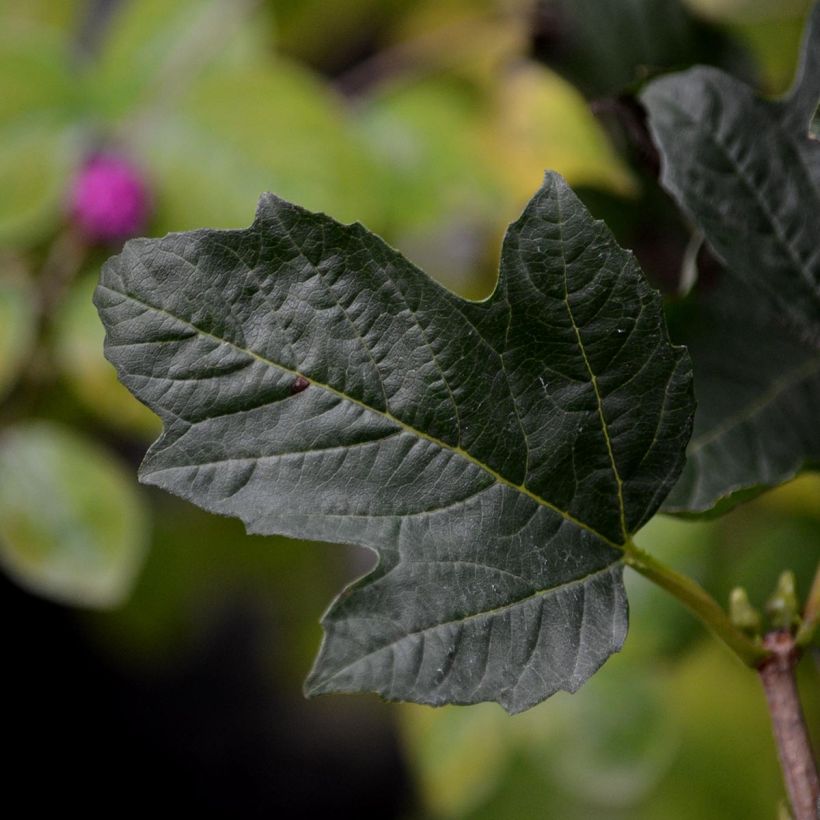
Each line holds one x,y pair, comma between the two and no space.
782,607
741,612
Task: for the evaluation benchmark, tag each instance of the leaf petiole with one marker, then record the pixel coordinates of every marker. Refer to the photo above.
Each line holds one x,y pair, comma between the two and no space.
692,595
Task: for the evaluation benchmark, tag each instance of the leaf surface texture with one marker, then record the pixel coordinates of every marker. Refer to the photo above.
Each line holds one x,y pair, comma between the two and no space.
496,455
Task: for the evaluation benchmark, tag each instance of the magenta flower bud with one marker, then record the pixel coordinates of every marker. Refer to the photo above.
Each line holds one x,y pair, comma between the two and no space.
109,199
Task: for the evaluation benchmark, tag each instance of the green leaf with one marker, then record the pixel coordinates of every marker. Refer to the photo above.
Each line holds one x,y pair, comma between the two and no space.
347,27
61,17
72,527
746,172
455,769
430,135
231,121
544,116
35,66
496,455
152,50
38,157
444,133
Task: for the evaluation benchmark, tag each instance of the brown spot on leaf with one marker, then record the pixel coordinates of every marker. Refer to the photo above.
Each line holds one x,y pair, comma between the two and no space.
300,383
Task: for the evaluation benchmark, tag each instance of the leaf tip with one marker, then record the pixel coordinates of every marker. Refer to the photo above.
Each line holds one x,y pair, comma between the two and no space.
267,206
554,182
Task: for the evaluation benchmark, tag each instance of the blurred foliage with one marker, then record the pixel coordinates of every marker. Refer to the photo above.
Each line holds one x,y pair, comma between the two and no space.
431,122
78,338
771,32
72,525
605,46
17,324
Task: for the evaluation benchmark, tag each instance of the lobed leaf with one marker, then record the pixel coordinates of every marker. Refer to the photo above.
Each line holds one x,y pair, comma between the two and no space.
747,173
496,455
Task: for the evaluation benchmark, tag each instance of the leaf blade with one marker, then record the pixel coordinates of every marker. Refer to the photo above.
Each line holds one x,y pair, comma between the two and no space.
323,387
733,170
746,172
751,373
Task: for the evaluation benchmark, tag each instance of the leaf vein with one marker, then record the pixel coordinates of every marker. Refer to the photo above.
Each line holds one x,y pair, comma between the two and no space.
386,414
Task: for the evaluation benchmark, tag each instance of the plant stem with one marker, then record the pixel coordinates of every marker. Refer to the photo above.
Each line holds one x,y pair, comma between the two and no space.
789,725
692,595
774,659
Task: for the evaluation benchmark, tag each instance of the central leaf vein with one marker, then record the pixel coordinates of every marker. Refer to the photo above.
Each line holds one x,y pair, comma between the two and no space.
593,379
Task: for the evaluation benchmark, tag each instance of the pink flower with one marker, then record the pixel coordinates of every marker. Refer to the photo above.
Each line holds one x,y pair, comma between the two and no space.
109,199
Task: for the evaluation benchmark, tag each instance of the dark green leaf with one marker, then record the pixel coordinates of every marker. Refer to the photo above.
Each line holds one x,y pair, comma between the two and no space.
496,455
758,391
746,172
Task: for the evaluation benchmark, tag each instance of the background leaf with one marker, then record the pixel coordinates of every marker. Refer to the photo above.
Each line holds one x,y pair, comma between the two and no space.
270,125
315,384
153,50
745,170
72,527
748,176
542,115
758,390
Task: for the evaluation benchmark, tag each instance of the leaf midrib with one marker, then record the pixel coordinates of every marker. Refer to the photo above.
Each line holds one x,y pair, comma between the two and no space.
593,378
384,413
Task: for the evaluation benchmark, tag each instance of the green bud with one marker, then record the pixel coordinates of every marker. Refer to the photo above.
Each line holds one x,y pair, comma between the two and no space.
741,612
782,607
